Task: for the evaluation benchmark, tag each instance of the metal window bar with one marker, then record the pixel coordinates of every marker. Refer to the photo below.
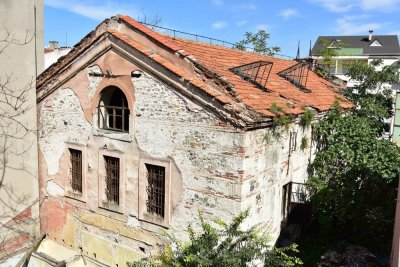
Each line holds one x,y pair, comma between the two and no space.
114,118
112,178
297,75
292,142
155,189
76,169
256,73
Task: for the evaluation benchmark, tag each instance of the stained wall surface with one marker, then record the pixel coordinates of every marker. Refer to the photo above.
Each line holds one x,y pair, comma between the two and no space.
21,57
211,166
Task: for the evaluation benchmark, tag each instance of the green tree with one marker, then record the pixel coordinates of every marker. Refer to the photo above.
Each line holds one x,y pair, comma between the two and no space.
226,245
354,174
258,42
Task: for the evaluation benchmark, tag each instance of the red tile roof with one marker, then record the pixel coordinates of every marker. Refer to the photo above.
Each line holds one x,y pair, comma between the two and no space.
221,83
220,59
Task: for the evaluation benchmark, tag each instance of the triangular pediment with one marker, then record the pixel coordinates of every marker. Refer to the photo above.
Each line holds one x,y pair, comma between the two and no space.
334,44
375,43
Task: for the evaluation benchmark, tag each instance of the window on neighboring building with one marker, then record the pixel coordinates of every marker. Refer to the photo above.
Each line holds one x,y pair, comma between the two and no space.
113,110
155,189
112,178
76,169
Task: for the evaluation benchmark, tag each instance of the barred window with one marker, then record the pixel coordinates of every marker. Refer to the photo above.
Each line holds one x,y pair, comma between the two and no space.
112,178
76,169
155,189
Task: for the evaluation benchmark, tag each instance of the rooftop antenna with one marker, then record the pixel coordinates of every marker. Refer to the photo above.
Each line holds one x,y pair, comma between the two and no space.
298,51
309,52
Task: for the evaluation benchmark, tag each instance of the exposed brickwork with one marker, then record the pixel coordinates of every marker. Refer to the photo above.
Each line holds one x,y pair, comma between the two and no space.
23,216
14,237
13,245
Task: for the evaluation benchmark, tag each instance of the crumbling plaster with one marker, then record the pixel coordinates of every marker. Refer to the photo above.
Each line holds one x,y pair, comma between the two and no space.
216,167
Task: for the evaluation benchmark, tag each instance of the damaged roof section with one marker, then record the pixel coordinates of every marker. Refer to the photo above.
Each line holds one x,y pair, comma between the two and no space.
243,83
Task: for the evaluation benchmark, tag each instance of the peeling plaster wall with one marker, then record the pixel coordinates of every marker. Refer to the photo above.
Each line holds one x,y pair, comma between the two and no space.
215,167
62,120
204,152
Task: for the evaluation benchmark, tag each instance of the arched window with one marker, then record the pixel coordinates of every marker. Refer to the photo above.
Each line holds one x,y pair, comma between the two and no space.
113,110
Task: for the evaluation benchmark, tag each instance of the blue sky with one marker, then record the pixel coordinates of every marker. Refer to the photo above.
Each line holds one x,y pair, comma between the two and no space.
288,21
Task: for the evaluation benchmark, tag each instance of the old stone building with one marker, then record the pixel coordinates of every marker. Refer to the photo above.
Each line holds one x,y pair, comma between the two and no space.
139,130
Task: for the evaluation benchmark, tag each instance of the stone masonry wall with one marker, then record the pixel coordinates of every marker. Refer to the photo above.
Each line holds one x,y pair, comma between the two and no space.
205,153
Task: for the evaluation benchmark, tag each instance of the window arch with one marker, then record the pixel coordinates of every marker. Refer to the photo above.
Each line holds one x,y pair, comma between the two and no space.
113,110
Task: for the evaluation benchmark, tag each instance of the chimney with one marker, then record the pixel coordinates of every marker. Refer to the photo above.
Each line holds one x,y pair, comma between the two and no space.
370,35
53,45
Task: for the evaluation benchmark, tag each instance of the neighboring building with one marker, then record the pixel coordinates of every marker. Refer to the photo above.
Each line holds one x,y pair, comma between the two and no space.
53,52
139,130
364,48
21,60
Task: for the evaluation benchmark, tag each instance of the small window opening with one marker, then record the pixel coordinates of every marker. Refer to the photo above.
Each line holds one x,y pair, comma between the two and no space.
257,73
136,74
113,110
155,189
112,179
76,169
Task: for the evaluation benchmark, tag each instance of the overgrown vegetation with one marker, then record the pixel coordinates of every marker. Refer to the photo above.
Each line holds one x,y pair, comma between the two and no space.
354,174
304,143
307,118
258,42
223,245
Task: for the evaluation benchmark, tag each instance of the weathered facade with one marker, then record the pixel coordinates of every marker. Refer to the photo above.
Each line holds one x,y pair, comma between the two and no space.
21,60
140,130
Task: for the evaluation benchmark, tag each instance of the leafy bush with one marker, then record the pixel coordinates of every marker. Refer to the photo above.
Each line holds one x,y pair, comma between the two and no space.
226,245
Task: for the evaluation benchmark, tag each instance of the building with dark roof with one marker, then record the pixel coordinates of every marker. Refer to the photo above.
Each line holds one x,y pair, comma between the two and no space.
363,48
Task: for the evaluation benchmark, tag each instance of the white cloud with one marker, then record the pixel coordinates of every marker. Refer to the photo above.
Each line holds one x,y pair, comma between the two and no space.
94,9
241,22
218,2
246,7
339,6
336,5
289,13
351,25
382,5
218,25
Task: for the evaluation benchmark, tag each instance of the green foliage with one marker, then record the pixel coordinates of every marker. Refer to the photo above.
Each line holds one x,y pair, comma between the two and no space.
328,54
280,119
307,118
258,42
304,143
354,173
226,245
